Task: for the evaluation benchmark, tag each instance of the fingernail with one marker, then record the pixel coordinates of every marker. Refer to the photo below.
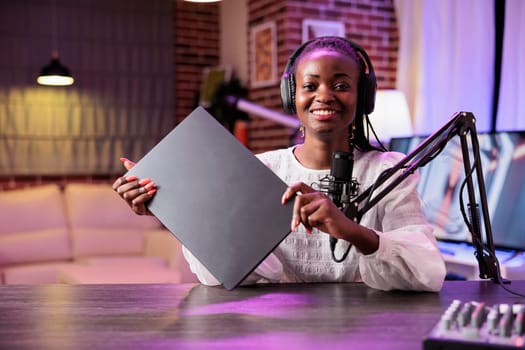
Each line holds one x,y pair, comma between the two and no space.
122,159
144,182
149,186
131,178
295,223
151,192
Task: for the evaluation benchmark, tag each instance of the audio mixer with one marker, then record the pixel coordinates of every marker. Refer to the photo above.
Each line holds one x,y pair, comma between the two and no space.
476,326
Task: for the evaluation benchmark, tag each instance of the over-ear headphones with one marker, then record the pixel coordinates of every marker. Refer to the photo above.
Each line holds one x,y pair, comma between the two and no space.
367,82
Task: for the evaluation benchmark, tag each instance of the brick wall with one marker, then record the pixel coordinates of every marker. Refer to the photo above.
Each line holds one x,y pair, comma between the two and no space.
196,36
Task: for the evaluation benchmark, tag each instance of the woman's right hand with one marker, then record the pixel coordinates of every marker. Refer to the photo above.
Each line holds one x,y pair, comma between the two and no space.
136,192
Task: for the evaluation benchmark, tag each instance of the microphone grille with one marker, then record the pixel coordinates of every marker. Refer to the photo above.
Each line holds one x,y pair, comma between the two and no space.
342,163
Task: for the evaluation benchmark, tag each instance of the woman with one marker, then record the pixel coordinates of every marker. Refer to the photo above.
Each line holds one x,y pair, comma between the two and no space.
392,247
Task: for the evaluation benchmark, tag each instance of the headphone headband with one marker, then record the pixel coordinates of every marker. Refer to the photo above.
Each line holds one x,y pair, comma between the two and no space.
367,82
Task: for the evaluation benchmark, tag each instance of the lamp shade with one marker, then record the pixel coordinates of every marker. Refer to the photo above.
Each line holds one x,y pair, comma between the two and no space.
391,117
55,74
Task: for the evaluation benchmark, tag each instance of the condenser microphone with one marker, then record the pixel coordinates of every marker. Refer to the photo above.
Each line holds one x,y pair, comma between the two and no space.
340,175
340,186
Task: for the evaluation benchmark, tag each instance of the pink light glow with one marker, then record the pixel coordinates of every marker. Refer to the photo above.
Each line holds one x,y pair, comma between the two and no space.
272,305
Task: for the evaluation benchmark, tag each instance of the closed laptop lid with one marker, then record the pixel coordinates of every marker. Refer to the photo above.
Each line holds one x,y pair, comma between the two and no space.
218,199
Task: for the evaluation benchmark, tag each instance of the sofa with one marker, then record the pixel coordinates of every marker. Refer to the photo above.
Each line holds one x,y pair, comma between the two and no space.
83,233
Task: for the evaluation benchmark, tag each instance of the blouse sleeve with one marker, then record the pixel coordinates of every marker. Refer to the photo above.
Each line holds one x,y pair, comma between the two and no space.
408,257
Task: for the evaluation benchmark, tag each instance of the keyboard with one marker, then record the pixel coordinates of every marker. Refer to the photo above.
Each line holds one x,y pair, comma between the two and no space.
477,326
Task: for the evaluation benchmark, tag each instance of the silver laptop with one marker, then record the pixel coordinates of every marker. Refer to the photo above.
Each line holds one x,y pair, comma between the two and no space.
216,197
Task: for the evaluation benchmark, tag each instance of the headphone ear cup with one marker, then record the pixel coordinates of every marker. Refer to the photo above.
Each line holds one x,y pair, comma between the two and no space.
288,93
369,92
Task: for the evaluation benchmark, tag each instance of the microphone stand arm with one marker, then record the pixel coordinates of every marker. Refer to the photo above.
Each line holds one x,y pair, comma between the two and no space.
460,125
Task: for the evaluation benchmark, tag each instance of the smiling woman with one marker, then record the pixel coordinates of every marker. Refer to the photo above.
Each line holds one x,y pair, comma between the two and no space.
329,83
367,83
326,97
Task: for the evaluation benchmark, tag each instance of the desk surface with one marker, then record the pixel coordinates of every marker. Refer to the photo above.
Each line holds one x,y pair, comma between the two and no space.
285,316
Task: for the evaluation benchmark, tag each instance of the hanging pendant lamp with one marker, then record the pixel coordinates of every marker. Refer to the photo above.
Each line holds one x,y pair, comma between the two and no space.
55,73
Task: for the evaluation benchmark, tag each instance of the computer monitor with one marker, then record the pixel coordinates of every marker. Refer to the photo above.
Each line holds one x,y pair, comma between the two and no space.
503,162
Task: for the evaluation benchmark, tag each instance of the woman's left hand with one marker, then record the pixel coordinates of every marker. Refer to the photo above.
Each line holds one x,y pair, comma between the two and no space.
314,209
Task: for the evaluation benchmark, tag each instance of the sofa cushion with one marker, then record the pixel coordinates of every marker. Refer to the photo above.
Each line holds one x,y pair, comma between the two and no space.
89,242
98,206
129,261
35,246
94,274
163,243
102,223
33,273
30,209
33,226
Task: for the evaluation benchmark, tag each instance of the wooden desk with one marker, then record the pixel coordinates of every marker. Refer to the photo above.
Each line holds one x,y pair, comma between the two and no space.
286,316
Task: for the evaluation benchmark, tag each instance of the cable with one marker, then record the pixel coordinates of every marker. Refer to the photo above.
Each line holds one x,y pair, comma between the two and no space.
498,279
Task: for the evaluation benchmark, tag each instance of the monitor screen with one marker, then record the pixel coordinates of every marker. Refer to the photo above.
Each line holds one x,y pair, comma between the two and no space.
503,162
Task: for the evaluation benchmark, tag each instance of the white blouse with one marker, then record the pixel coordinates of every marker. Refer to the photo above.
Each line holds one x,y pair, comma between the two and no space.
408,257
